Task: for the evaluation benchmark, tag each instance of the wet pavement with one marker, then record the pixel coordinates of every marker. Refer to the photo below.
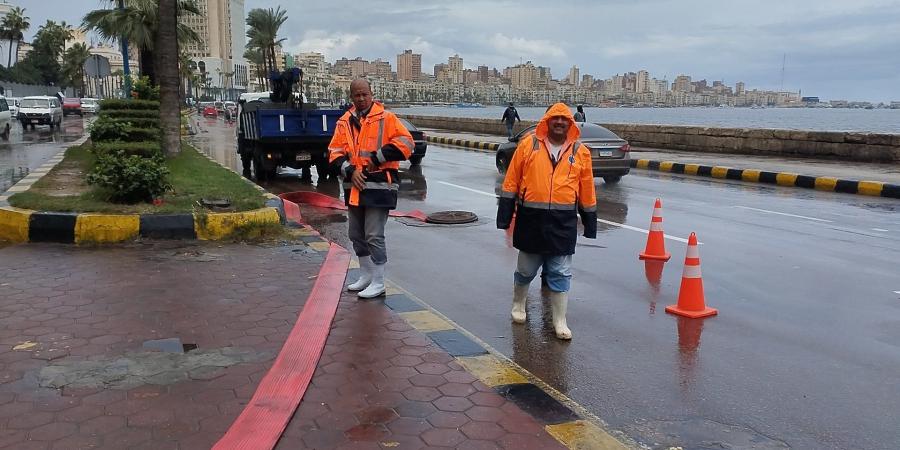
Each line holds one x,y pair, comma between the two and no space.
26,150
801,355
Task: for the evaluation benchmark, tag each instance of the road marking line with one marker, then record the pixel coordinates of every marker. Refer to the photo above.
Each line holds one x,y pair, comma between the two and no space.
880,229
897,292
782,214
615,224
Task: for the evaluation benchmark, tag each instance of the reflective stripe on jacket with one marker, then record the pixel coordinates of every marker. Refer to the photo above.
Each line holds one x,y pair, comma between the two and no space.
380,136
547,198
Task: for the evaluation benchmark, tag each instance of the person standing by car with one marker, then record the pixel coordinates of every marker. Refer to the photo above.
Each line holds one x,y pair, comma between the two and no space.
548,184
368,145
509,118
579,114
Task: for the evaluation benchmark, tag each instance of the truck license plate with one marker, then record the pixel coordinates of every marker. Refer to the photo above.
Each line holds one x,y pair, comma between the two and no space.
303,157
604,153
35,120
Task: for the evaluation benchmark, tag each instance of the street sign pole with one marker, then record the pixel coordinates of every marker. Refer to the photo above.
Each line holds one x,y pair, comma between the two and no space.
125,69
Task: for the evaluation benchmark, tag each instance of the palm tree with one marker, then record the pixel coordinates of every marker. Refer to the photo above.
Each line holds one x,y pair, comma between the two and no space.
138,23
166,47
73,65
13,25
262,31
255,56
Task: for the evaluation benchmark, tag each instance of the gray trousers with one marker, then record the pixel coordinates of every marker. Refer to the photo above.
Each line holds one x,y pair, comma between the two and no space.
367,232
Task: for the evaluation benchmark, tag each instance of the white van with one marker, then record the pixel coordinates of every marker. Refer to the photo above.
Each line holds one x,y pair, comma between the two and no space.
5,118
40,110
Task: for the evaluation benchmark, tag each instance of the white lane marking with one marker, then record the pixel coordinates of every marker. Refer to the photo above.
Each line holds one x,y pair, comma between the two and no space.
616,224
897,292
880,229
469,189
782,214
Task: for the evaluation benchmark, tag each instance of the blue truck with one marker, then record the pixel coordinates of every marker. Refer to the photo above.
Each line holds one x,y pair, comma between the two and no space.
280,129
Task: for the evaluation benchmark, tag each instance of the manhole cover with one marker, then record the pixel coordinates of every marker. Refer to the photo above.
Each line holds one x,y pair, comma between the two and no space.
451,217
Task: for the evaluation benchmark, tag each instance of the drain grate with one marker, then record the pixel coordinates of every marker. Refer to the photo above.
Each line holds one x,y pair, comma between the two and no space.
451,217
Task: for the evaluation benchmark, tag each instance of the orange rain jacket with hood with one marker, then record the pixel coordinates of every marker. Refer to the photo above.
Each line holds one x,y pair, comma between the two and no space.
547,197
379,137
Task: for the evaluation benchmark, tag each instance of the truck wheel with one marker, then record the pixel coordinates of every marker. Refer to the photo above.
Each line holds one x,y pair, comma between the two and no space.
259,171
415,160
612,179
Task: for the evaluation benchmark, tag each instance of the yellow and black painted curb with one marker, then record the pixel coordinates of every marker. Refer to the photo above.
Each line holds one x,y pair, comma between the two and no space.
873,188
23,225
564,419
486,147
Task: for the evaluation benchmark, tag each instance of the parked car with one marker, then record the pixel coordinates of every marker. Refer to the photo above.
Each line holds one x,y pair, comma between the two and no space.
610,154
40,110
90,105
210,111
72,105
13,103
5,118
419,138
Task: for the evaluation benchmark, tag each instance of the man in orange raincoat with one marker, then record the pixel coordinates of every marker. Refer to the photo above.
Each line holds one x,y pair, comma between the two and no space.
366,151
548,184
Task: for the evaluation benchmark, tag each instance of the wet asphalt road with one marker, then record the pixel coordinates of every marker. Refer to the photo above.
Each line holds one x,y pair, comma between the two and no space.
805,352
27,150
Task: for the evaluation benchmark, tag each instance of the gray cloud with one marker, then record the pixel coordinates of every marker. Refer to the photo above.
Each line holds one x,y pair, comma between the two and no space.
834,48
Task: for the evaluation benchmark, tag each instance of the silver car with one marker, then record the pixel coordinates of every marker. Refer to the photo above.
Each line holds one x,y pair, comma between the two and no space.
90,105
610,154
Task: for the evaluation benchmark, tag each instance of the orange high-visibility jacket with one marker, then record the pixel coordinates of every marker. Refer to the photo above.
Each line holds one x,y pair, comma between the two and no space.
379,137
546,197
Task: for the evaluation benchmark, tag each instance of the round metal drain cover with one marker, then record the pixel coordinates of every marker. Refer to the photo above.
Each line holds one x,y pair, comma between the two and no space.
451,217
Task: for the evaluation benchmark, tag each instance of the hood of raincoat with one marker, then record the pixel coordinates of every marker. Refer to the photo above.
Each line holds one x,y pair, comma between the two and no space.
559,109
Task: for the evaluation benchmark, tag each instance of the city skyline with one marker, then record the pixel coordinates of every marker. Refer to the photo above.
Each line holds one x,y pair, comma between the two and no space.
831,49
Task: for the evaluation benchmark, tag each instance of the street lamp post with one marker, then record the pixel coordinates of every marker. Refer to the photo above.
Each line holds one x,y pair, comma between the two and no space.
125,69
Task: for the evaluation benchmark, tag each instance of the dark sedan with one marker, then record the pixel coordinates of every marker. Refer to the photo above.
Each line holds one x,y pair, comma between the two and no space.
610,154
419,138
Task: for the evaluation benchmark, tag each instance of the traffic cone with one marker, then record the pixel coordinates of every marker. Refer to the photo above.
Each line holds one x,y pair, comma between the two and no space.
656,240
690,296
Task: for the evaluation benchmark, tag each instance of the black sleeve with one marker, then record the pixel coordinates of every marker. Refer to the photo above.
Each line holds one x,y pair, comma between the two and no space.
505,209
589,220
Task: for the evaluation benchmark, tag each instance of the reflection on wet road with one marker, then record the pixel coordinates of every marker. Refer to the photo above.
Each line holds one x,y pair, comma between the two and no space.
27,150
803,353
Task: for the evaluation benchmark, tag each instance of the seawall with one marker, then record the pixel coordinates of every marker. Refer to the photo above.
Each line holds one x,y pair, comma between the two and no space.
847,146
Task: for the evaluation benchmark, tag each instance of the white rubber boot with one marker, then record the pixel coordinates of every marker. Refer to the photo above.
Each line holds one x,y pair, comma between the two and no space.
520,295
558,302
376,287
365,274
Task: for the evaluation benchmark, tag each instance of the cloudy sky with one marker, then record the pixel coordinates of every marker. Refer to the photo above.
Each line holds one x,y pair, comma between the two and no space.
834,49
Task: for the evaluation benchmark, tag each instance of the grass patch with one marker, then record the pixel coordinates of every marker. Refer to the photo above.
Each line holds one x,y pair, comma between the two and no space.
192,175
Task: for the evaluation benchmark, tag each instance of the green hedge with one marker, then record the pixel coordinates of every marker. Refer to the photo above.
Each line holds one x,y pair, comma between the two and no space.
138,122
144,149
136,134
117,103
128,113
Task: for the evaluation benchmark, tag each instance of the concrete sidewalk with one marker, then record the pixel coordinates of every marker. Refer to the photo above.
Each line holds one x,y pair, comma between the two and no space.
161,346
887,173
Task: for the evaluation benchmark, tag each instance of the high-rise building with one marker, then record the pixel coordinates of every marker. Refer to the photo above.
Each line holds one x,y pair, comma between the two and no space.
484,74
455,69
522,76
221,28
640,84
440,71
587,81
682,84
574,76
739,88
409,66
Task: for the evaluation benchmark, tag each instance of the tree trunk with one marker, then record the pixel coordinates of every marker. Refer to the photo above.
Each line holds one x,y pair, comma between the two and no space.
167,73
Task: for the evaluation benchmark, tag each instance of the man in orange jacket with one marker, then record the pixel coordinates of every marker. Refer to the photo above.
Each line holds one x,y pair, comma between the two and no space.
549,182
366,151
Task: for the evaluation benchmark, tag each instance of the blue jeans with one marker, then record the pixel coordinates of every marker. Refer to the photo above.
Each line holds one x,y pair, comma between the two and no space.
509,128
557,270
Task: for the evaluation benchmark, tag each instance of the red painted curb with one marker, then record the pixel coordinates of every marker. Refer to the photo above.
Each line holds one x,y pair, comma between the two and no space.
324,201
279,393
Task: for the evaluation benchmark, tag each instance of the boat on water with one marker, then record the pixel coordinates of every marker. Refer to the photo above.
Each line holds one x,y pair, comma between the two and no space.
468,105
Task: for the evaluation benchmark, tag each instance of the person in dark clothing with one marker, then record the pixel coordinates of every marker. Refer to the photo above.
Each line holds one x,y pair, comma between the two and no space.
579,114
509,118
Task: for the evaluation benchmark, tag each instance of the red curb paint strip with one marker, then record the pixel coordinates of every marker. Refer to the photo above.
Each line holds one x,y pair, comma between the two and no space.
292,211
264,419
324,201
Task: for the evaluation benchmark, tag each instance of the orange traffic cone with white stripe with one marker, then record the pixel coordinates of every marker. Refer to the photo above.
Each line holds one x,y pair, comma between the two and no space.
656,240
691,302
